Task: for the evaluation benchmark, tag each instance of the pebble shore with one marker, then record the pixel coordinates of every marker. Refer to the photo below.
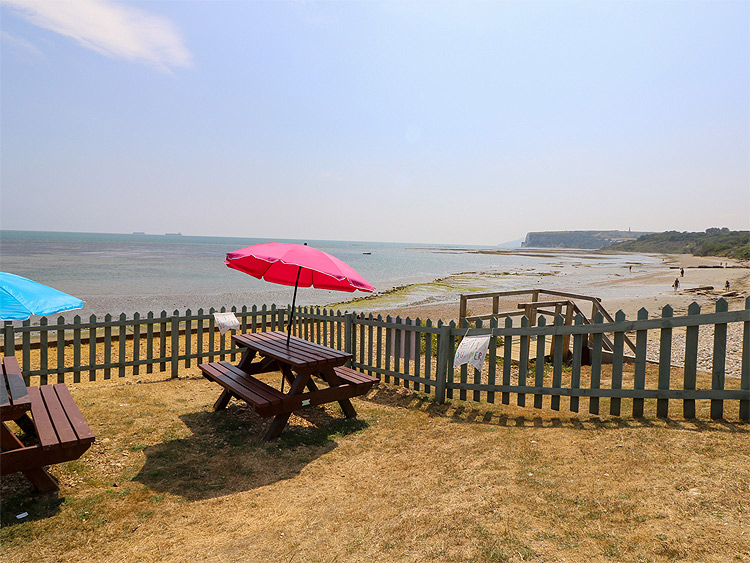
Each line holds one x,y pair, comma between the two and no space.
705,348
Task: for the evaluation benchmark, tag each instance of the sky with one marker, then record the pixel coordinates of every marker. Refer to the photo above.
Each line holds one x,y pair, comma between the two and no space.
410,121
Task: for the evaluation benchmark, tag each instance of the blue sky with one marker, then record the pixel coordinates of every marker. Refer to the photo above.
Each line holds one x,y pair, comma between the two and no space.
443,122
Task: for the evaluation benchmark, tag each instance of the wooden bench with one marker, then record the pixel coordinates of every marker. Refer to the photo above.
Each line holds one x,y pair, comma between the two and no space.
262,397
361,381
267,401
60,429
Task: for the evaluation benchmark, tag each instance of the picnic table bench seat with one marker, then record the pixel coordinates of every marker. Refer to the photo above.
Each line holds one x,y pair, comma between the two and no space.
261,396
361,381
57,426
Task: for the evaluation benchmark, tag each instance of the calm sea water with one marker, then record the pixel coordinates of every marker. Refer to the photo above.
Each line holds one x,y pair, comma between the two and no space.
116,273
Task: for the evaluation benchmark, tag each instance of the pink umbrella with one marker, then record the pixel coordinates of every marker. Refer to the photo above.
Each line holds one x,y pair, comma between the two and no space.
298,265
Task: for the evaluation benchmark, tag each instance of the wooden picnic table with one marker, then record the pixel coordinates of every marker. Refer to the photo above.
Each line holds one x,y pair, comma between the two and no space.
56,427
298,362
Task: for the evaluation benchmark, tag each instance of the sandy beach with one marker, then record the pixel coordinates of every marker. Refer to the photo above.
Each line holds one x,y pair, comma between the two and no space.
627,286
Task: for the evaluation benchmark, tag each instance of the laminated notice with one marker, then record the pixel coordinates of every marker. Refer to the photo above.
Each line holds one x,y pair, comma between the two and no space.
472,350
226,321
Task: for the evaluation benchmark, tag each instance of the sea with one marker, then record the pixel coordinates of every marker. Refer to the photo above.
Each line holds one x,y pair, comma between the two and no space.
127,273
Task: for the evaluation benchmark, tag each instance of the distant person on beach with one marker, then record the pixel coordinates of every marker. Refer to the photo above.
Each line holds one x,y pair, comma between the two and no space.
630,269
682,272
676,284
726,285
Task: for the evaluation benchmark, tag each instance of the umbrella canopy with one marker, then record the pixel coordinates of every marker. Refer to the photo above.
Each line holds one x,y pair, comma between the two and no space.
297,265
20,298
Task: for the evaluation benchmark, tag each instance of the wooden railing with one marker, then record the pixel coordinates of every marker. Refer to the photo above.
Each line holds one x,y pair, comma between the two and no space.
419,354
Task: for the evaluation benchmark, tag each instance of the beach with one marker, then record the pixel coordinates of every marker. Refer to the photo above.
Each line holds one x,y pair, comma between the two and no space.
626,285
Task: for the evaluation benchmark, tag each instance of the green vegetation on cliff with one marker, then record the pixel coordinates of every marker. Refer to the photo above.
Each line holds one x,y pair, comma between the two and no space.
577,239
714,242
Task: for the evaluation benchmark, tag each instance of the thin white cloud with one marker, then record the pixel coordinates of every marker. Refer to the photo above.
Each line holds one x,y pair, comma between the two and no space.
114,30
11,39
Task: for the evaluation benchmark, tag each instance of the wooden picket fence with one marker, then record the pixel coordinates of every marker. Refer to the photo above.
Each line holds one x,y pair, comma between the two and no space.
419,355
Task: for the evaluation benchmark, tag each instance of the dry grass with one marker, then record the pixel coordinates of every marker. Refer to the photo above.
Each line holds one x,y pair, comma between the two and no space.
170,480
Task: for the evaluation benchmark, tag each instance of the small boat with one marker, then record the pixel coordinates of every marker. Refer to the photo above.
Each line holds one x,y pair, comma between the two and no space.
367,253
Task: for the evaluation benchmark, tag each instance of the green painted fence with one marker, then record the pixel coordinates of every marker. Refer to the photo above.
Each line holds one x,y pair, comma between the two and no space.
419,354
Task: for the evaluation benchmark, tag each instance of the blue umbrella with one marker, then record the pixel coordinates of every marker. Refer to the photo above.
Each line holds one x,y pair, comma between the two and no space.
20,298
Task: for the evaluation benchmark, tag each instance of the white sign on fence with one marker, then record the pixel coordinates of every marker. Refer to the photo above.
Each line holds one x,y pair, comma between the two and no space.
226,321
472,350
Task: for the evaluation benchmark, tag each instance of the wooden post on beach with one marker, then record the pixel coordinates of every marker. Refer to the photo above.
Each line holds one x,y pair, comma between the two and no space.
462,309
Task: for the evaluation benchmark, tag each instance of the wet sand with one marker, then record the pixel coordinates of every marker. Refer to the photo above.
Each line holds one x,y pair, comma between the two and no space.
628,286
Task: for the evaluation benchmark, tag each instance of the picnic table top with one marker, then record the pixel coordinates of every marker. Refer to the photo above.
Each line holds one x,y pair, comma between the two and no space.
299,354
14,396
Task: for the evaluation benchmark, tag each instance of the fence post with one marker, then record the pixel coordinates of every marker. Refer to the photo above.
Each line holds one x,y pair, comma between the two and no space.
719,361
442,363
665,362
175,333
557,364
348,327
9,339
745,377
639,377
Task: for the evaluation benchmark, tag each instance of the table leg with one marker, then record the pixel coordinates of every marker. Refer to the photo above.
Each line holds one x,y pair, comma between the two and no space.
333,380
277,426
26,424
280,420
246,360
223,400
42,481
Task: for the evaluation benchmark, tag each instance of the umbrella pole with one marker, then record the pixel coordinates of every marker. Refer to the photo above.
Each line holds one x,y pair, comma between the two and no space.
291,316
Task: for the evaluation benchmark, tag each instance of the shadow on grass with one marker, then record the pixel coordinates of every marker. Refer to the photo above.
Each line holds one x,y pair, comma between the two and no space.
19,497
483,413
225,452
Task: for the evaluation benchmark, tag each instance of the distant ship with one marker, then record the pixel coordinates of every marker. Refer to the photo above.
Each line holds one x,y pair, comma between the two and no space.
139,233
367,253
172,234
